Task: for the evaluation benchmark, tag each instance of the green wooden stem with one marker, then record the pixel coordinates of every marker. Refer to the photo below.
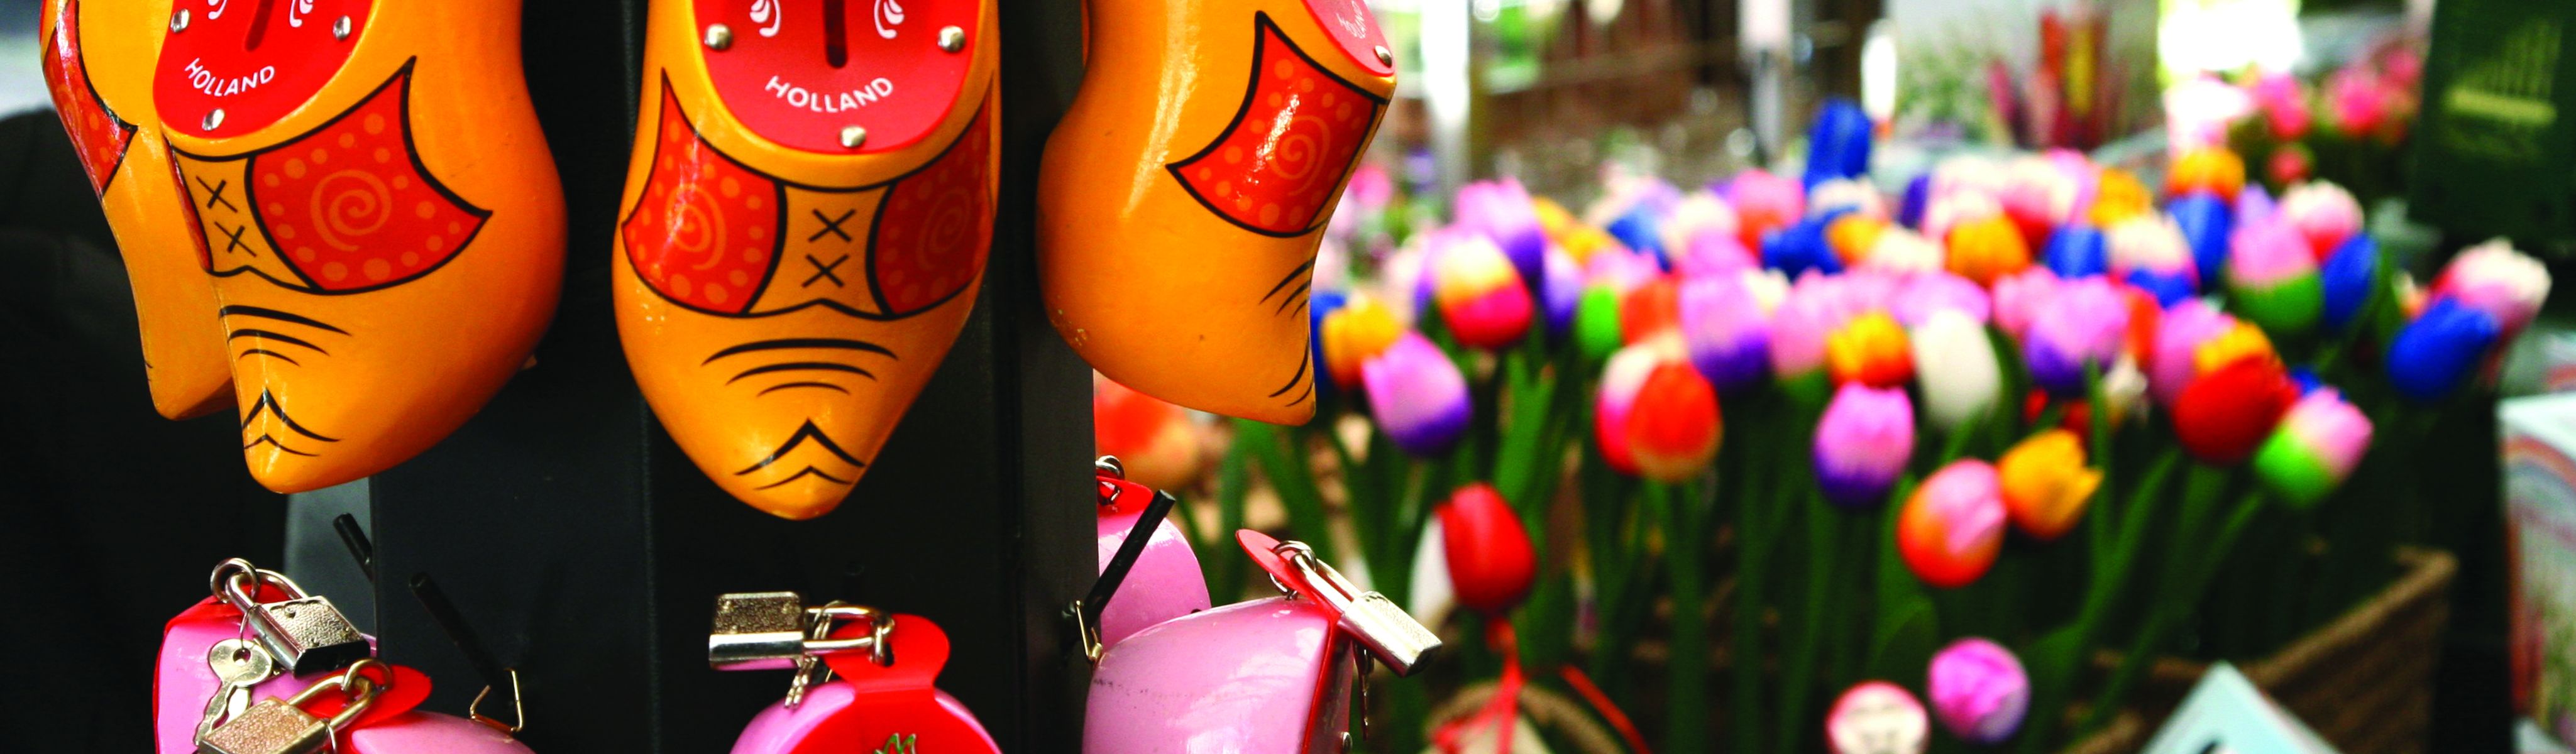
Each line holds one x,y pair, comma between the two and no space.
1686,727
2186,581
2065,652
1798,675
1233,485
1752,548
2097,520
1295,484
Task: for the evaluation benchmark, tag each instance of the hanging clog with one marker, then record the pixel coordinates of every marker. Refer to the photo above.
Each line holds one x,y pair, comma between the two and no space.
1181,199
804,229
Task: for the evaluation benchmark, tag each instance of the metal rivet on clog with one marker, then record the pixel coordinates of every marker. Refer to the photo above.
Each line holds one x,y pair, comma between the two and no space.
951,38
214,119
1384,57
340,28
719,36
853,136
179,20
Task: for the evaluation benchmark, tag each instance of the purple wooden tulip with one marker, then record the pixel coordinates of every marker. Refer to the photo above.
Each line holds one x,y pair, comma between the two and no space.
1501,210
1863,443
1979,691
2084,323
1561,290
1925,293
1726,332
1417,395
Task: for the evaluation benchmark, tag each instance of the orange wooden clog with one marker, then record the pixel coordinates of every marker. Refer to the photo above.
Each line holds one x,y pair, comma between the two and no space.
367,184
105,101
804,230
1183,194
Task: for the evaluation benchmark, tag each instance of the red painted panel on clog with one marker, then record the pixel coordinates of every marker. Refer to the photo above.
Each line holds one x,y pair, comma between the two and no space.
350,203
99,137
799,71
256,60
935,227
706,232
1279,165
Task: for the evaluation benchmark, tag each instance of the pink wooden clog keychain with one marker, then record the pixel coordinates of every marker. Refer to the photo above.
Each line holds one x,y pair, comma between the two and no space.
1145,560
1267,676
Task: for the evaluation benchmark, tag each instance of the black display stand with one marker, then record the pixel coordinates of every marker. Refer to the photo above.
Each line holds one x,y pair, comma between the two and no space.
587,551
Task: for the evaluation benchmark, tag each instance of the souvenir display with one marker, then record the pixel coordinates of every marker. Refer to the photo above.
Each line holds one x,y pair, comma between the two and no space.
1268,675
367,186
1161,580
106,105
863,678
1699,390
804,229
1183,195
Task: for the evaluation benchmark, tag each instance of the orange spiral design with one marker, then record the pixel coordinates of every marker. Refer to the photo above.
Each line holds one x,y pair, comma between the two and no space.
695,228
951,229
1279,164
1297,152
350,203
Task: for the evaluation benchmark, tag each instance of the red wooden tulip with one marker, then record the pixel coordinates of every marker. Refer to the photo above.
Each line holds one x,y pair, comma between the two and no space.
2223,416
1491,563
1675,426
1651,308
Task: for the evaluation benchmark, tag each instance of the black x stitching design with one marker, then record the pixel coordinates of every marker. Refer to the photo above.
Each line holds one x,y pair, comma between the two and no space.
832,225
216,194
822,270
233,239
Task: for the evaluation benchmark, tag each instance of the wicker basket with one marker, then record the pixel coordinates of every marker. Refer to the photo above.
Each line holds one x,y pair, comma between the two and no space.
2364,681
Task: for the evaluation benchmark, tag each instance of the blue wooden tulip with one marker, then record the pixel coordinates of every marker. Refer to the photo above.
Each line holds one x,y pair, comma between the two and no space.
1801,247
1918,193
2076,251
2347,276
2169,288
1838,143
2434,355
2206,223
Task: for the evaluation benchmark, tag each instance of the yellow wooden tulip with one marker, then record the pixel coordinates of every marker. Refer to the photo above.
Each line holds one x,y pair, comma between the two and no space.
2046,485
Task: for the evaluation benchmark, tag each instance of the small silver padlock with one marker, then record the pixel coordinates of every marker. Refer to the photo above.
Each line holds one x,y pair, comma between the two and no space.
1389,633
304,633
283,727
773,630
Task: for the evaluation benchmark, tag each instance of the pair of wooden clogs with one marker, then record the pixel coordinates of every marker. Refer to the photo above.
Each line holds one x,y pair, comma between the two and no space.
341,219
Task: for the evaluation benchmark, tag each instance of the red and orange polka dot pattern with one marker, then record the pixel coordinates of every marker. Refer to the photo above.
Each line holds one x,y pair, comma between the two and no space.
98,136
1276,169
705,233
937,225
350,208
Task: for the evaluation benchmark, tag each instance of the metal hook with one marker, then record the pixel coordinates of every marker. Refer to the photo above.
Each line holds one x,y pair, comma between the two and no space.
518,707
450,622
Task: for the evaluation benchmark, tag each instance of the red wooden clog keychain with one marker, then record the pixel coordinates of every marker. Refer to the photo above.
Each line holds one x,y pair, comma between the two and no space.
863,678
